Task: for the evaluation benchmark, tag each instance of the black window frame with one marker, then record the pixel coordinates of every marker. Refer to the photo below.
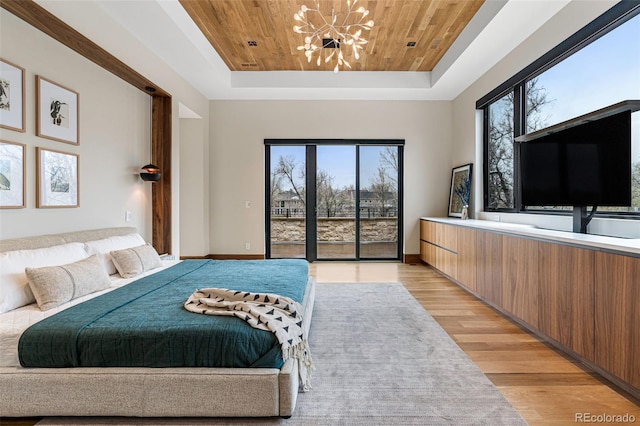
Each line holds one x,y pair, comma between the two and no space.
608,21
311,217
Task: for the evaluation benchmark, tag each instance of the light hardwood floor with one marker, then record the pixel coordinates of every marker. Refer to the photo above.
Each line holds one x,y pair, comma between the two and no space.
545,386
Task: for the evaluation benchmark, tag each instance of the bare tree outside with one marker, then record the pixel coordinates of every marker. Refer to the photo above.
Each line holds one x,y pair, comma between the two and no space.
294,174
331,201
389,161
500,154
537,99
500,144
382,190
276,184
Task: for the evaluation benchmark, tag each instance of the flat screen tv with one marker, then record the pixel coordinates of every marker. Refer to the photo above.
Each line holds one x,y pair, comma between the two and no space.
585,165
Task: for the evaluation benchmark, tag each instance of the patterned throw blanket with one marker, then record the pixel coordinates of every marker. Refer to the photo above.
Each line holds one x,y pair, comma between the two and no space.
270,312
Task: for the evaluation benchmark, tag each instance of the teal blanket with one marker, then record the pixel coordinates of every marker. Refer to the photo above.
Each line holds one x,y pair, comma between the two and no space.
144,324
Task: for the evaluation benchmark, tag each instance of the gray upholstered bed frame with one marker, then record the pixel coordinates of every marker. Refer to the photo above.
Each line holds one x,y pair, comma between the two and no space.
146,392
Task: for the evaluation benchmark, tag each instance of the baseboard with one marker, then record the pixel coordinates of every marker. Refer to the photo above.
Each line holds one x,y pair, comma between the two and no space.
236,256
411,258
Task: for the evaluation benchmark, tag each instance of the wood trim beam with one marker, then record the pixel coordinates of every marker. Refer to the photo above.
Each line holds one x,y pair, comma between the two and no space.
161,136
161,157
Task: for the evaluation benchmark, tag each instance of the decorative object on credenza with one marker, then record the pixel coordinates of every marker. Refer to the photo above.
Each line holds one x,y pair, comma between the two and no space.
150,173
12,175
460,193
326,36
58,112
57,176
12,89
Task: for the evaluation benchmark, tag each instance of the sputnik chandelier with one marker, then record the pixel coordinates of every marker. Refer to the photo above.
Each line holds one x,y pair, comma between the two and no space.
325,34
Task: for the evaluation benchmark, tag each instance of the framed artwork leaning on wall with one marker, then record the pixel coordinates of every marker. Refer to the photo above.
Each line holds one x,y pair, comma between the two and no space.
460,192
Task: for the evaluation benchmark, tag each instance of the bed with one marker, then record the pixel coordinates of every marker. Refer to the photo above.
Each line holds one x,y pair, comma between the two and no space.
141,391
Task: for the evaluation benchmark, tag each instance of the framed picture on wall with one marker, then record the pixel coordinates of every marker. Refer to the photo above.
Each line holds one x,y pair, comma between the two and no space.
57,112
460,192
12,175
12,89
57,176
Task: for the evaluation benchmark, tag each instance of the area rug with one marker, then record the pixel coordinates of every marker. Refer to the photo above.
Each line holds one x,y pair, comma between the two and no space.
380,359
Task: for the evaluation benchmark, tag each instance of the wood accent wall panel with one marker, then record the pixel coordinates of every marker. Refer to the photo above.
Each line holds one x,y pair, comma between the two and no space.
566,298
489,271
617,316
161,157
520,278
467,261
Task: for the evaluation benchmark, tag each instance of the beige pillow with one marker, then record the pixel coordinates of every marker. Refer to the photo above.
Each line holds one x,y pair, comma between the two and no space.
14,285
104,246
54,285
135,260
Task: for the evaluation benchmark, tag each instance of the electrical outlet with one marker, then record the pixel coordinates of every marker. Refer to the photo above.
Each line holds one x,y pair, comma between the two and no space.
247,204
247,246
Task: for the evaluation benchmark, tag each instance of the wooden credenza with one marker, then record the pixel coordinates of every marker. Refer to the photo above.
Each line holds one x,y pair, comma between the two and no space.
584,300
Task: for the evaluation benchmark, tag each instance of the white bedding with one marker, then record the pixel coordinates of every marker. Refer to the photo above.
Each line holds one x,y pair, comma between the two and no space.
14,323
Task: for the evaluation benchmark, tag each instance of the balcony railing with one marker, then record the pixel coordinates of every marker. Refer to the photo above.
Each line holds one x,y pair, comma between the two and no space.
365,213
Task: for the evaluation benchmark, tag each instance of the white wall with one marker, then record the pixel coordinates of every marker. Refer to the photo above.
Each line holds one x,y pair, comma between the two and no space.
194,188
114,139
467,131
238,130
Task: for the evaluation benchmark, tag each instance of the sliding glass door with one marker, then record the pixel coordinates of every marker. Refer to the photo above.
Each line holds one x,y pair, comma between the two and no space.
287,207
379,201
332,200
335,207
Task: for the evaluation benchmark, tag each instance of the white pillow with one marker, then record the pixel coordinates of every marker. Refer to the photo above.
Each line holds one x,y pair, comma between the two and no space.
14,291
103,248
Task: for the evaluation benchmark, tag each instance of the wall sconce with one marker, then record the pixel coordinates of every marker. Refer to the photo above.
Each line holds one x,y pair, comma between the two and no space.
150,173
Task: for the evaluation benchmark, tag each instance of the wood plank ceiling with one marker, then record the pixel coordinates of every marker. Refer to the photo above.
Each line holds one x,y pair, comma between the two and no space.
257,35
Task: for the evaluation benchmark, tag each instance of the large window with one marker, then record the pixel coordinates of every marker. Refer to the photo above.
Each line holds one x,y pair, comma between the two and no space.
334,199
500,184
597,67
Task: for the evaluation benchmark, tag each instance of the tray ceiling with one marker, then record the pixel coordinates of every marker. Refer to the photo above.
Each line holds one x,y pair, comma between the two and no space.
257,35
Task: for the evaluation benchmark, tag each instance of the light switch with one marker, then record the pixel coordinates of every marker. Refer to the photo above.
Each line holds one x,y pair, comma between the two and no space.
127,216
